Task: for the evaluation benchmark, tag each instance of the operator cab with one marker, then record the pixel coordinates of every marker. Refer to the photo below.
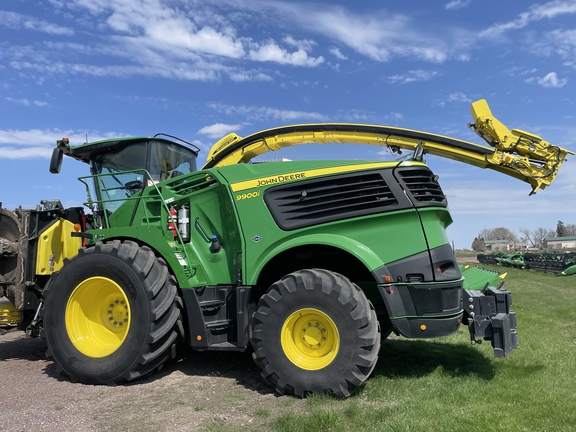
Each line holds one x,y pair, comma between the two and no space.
122,168
126,170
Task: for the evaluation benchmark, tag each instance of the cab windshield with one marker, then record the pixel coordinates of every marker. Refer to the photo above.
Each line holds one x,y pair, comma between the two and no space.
127,171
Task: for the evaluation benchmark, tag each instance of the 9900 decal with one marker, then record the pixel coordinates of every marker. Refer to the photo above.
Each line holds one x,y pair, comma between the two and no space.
240,197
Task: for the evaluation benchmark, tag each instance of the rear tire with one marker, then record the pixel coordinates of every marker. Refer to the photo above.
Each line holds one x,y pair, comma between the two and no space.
112,314
314,331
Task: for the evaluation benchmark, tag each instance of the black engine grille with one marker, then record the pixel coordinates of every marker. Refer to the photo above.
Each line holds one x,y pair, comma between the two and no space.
324,200
423,186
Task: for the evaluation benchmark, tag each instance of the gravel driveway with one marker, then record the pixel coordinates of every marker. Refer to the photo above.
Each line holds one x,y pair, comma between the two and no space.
198,390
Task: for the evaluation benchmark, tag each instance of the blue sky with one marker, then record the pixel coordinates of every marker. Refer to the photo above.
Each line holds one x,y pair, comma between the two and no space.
202,69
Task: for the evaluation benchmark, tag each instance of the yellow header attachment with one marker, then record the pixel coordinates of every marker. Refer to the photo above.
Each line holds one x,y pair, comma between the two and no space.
525,152
519,154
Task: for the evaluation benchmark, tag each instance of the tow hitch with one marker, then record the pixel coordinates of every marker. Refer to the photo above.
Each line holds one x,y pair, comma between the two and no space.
489,316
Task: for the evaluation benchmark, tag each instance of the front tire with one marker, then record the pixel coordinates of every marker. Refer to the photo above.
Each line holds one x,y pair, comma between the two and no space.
314,331
112,314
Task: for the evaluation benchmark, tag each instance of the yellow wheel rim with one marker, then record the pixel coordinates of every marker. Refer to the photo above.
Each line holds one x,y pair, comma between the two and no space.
97,317
310,339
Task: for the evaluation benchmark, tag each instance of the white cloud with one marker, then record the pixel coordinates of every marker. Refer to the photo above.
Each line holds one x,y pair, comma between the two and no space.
457,4
219,130
177,29
173,33
535,13
24,102
459,97
303,44
24,152
266,113
243,76
362,32
550,80
336,53
16,21
553,9
367,35
175,40
272,52
413,76
561,42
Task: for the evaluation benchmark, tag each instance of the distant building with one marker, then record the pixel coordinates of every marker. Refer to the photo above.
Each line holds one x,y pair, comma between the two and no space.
560,242
504,245
498,245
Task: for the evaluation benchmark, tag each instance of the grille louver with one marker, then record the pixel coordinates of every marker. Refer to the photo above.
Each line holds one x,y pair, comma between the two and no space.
334,198
423,185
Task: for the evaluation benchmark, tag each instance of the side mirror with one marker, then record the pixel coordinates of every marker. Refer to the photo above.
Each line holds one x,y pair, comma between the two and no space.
56,161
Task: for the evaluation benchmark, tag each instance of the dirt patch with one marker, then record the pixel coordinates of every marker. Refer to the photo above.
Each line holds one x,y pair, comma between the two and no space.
466,259
198,390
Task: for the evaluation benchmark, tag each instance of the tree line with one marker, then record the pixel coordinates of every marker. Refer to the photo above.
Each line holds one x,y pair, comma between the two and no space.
534,238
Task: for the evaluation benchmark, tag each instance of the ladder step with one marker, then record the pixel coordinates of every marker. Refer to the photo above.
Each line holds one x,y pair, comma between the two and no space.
211,304
217,324
226,346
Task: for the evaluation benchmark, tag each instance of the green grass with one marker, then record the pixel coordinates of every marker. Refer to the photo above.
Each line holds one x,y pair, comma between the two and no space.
262,412
448,385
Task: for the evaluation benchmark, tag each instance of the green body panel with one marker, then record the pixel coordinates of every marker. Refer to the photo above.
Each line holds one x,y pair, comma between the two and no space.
435,221
375,240
145,217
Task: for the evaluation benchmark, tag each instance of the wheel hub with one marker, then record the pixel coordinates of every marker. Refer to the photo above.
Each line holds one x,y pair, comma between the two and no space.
314,335
97,317
310,339
117,315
